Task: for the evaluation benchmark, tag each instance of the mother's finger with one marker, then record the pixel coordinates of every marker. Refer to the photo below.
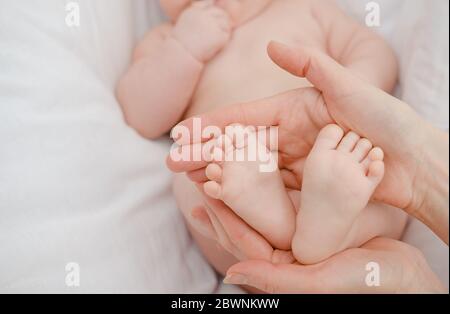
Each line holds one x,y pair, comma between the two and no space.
343,273
223,238
270,278
379,266
249,243
220,235
262,113
203,223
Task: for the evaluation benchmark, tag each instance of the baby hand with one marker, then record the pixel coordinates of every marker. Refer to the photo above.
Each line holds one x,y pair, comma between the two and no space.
203,29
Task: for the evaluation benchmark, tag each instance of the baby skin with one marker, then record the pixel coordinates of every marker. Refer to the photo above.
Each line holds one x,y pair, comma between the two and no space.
213,53
340,175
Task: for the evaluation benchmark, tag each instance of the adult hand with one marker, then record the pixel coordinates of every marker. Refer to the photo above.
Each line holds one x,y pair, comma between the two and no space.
217,221
416,161
401,268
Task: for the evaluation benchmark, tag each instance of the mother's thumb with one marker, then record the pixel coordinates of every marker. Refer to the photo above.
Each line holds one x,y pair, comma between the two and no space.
321,70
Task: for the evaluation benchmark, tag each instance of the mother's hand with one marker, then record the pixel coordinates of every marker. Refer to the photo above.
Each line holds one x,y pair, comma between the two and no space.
220,223
401,268
416,177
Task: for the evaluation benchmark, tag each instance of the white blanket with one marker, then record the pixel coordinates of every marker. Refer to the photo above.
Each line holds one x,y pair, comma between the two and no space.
79,186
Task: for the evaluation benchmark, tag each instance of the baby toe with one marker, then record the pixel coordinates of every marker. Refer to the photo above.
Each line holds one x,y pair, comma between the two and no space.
376,172
362,149
376,154
214,172
213,189
349,142
329,137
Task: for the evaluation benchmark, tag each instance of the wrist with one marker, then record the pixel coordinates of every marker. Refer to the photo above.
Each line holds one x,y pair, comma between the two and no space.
188,47
418,276
175,44
432,183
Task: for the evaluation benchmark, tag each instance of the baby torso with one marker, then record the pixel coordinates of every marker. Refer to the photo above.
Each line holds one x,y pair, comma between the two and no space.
243,71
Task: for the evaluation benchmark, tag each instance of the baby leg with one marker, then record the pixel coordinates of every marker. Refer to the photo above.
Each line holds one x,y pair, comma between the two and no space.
248,180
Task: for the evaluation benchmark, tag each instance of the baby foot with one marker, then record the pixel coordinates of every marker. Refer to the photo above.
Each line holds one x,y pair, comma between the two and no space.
340,177
240,178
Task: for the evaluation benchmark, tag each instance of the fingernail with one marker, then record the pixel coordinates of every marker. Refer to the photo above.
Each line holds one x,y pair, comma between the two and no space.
235,279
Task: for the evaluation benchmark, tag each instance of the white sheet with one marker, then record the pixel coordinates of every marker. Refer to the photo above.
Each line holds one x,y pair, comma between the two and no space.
77,184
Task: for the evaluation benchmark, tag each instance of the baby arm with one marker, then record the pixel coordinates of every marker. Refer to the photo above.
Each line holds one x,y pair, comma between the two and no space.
357,47
167,66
